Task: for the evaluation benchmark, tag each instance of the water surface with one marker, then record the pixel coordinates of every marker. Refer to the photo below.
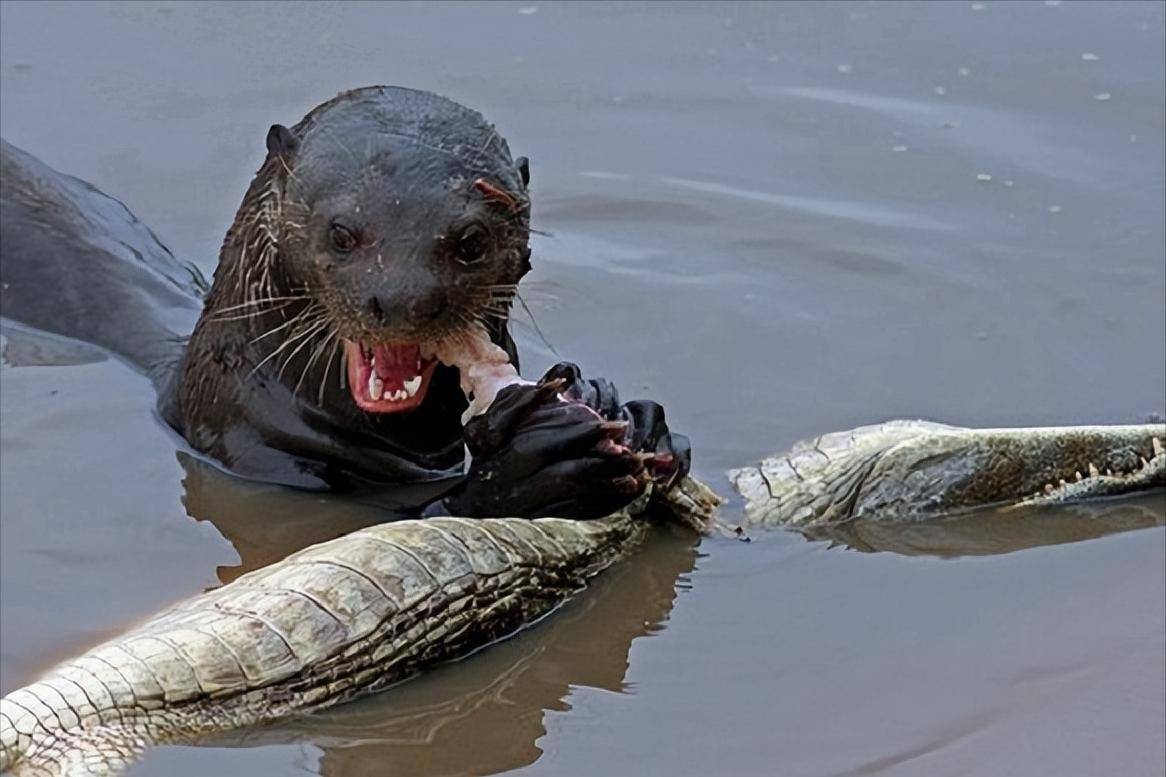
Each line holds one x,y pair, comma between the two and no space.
778,220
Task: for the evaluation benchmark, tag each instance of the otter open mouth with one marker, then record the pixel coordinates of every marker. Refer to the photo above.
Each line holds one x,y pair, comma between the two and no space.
387,378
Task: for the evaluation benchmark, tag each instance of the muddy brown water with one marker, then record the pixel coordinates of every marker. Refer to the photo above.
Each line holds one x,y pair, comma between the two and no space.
778,220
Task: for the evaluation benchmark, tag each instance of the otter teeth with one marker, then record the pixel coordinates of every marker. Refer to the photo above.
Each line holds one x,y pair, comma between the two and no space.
413,385
375,386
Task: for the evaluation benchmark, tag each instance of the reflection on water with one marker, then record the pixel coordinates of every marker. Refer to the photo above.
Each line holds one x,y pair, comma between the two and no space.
482,716
485,716
265,523
22,347
999,530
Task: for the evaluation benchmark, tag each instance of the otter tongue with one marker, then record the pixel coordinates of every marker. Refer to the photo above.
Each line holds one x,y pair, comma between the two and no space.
395,364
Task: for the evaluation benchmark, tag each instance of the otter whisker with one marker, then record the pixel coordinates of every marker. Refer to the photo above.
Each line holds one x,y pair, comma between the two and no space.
319,349
287,170
254,302
313,310
248,316
486,145
502,312
336,341
300,334
304,340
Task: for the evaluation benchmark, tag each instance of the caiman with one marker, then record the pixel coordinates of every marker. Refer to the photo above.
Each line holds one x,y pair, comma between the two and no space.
919,470
353,616
336,621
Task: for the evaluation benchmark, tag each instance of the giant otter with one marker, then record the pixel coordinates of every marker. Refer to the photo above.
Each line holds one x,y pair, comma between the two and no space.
385,220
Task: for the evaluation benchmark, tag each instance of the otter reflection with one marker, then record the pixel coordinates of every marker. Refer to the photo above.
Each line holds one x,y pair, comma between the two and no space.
265,522
994,531
483,715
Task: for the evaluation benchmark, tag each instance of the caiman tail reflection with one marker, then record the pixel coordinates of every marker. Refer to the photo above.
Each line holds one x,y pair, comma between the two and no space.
994,531
485,716
481,716
264,522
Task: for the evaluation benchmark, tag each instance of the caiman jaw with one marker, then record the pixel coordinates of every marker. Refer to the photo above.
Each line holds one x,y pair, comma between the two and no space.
913,470
1148,473
387,377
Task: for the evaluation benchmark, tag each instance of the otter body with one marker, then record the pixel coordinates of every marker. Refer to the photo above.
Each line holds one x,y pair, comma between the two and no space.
385,221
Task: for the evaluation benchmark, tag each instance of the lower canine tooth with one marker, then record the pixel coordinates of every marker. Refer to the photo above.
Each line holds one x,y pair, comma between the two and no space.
412,385
375,386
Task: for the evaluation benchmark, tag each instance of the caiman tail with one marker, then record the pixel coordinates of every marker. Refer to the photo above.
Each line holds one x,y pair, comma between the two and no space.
335,621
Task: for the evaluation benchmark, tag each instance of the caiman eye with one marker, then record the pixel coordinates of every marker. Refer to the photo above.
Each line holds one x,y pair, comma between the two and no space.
343,239
473,245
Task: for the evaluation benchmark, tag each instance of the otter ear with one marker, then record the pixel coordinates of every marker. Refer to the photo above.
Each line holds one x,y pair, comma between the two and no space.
280,141
523,165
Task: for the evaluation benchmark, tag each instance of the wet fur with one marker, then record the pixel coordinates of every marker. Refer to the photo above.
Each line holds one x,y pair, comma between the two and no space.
258,385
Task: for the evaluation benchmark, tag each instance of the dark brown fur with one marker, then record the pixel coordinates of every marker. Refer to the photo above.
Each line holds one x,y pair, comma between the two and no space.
259,387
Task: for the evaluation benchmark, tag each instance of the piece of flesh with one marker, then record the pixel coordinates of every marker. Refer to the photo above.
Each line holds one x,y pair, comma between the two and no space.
483,367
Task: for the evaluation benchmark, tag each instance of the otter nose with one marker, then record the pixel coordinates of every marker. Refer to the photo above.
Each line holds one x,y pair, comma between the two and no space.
407,309
426,307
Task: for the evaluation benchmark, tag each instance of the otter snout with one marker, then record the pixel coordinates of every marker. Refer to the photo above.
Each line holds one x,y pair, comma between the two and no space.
405,311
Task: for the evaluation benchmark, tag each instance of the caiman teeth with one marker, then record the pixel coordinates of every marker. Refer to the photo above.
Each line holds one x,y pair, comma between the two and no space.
1093,470
1080,477
1159,449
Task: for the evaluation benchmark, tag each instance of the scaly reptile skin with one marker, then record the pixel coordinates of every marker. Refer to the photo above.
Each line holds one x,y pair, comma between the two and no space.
330,623
335,621
352,616
918,470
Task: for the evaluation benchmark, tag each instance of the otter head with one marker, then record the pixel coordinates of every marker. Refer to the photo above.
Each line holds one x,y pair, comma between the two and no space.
404,221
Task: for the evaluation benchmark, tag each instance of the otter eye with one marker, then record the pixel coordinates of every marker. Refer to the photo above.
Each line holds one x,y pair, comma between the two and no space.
343,239
473,244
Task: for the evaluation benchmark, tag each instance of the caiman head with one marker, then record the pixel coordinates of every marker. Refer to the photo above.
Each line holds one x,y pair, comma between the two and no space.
909,470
